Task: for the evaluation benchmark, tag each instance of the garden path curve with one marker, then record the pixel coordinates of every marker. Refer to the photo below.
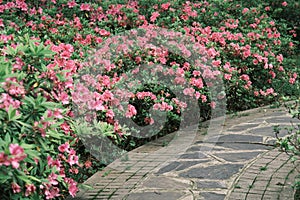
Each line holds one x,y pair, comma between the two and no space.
238,162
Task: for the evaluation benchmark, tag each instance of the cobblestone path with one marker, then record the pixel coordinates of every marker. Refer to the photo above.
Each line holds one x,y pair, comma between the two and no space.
238,161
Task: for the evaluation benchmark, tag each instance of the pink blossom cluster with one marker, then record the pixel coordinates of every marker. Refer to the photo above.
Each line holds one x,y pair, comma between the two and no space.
16,155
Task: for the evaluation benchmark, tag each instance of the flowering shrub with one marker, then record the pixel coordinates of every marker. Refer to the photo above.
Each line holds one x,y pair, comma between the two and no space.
282,11
37,154
54,87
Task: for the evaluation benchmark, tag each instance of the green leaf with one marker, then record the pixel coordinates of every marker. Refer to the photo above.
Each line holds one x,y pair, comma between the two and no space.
4,178
42,143
27,146
47,52
54,134
7,138
11,51
30,100
24,124
51,105
32,154
60,77
24,178
34,178
11,113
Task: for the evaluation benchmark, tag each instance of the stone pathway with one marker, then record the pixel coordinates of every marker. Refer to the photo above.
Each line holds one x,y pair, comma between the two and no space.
238,161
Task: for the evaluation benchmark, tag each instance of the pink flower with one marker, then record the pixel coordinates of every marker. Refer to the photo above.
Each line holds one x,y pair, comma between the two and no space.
196,73
216,63
71,4
149,120
272,73
66,47
52,192
64,148
227,76
245,10
72,186
189,91
292,80
16,188
131,111
281,69
88,164
270,91
103,32
73,159
18,155
110,114
203,98
197,82
245,77
165,6
85,7
279,58
295,75
52,179
154,16
166,107
73,189
4,159
30,188
255,61
53,163
57,113
74,170
284,3
197,95
213,105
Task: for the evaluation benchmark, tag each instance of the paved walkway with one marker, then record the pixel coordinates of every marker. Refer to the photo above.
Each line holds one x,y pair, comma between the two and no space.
238,161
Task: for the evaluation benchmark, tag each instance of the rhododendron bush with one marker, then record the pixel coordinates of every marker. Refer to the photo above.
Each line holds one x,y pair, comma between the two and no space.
68,64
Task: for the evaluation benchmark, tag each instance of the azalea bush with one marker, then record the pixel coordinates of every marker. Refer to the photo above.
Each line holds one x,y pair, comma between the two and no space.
37,154
282,11
75,74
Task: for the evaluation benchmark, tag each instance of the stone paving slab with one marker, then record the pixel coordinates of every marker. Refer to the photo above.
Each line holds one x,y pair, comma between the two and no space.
236,161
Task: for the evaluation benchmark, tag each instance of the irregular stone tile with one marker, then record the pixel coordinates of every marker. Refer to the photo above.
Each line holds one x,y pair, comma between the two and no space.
285,120
164,183
236,157
221,172
169,167
203,148
212,196
242,127
268,131
154,196
177,166
258,120
244,146
187,164
210,184
278,113
195,155
235,138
